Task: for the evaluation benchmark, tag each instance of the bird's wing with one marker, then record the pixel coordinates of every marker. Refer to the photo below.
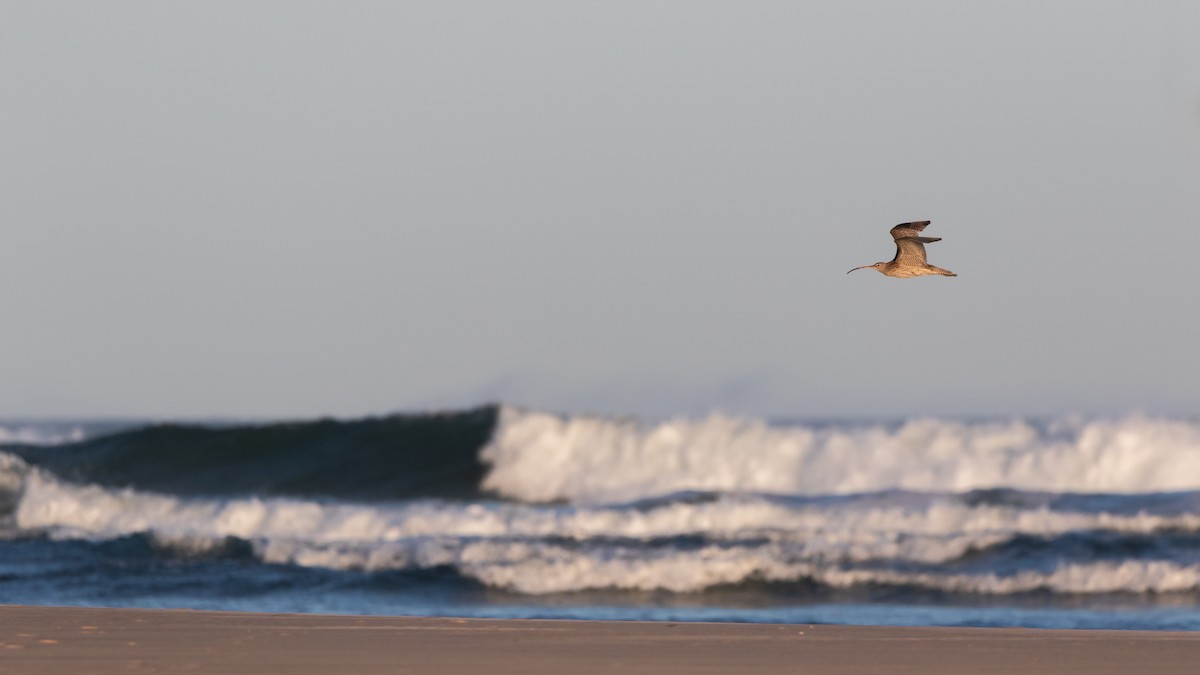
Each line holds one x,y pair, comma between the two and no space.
908,229
911,251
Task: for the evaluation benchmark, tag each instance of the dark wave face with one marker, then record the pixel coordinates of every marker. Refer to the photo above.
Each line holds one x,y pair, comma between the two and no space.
393,457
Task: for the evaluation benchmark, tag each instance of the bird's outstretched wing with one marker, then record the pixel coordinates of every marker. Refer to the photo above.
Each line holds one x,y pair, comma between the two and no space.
910,247
909,229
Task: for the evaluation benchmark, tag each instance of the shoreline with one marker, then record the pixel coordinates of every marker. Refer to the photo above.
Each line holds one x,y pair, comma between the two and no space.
35,639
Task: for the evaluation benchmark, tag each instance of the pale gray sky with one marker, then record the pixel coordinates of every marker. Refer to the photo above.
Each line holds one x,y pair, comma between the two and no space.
297,208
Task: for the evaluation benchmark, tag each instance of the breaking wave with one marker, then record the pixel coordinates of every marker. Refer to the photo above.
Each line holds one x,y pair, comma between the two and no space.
534,503
544,457
530,456
978,542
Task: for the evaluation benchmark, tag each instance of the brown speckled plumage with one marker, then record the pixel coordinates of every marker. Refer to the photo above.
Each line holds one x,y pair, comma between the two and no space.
910,258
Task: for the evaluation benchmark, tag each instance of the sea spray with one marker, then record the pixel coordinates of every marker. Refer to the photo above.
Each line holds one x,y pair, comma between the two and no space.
539,457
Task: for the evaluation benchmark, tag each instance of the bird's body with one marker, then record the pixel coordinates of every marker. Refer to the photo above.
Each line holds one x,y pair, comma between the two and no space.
910,254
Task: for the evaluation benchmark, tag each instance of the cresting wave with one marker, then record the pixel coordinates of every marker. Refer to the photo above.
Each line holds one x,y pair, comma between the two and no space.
541,457
532,456
535,503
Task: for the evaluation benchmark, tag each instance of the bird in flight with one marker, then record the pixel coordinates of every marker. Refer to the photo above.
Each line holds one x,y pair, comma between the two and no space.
910,254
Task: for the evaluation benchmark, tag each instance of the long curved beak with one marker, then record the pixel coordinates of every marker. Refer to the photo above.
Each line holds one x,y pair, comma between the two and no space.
860,268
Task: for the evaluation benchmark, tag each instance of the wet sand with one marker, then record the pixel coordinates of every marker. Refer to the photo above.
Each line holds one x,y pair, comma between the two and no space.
88,640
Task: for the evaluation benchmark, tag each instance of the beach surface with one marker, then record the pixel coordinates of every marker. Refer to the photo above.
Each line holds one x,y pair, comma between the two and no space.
96,640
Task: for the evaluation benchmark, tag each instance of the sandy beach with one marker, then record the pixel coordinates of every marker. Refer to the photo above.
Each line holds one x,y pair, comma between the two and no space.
93,640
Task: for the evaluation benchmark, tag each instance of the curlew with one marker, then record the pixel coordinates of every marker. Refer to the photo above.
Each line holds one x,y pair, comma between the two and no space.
910,254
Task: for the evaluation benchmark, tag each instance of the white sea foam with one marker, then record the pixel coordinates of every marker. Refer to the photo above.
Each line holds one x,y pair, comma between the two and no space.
539,549
538,568
544,572
40,434
898,526
541,457
12,475
12,465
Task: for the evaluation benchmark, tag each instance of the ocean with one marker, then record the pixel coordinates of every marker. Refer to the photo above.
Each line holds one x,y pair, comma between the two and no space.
504,511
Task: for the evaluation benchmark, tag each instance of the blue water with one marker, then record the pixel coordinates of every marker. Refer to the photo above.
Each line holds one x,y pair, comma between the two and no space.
505,512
